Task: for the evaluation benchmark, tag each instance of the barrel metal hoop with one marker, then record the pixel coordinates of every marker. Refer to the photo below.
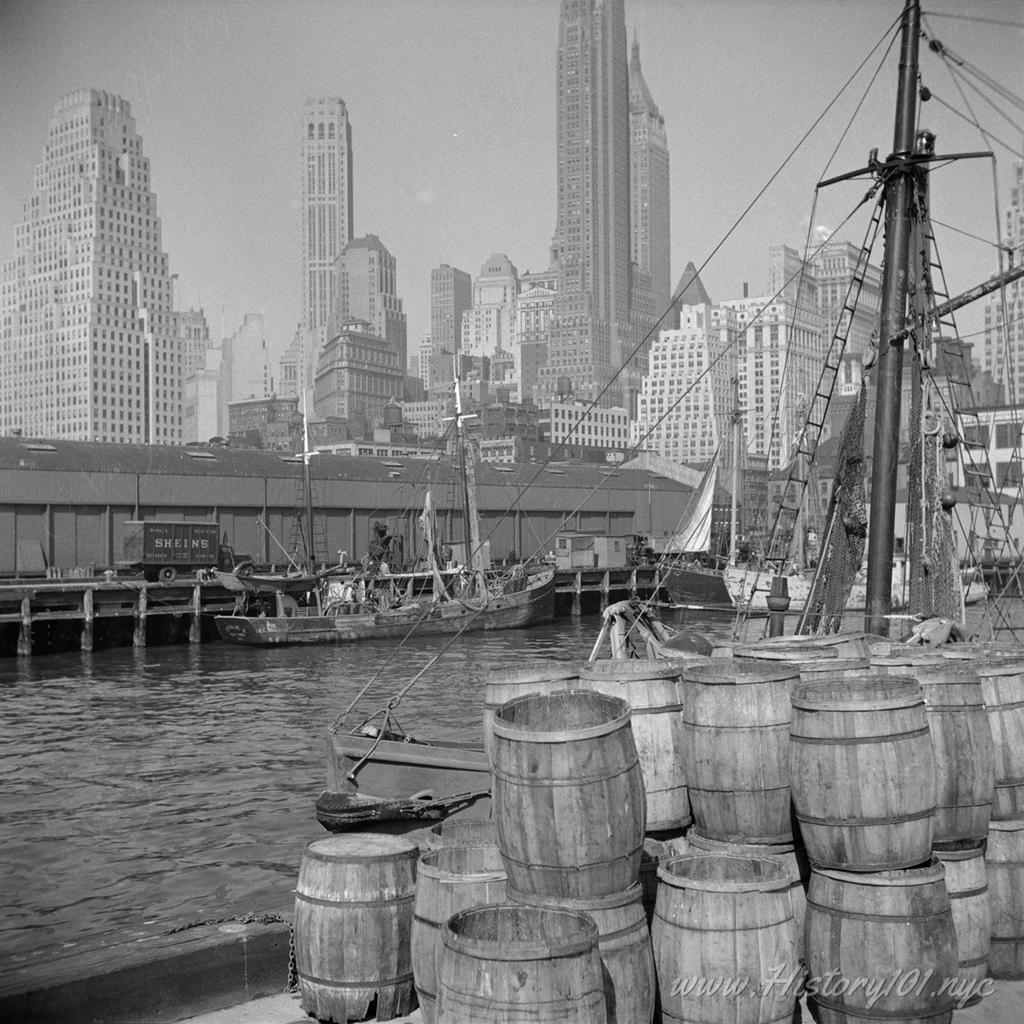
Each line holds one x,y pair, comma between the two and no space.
1014,706
875,1013
863,915
757,927
660,709
402,979
1007,938
753,727
848,740
865,822
576,780
964,894
977,961
318,902
1009,783
578,866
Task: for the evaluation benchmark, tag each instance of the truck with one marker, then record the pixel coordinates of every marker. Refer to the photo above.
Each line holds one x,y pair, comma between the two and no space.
161,549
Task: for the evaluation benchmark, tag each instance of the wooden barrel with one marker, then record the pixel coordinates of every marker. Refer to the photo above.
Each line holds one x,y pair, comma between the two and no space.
503,685
835,669
463,832
353,920
1004,865
736,715
1002,685
568,794
791,856
730,919
624,945
961,739
967,885
652,689
880,946
505,964
449,879
863,773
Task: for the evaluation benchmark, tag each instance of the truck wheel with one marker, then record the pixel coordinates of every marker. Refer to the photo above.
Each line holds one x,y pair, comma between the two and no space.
167,574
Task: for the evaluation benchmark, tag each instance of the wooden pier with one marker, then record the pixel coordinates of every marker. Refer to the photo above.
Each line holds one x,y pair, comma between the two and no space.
45,615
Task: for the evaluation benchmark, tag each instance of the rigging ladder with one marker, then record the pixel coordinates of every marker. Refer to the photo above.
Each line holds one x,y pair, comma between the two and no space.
783,528
989,524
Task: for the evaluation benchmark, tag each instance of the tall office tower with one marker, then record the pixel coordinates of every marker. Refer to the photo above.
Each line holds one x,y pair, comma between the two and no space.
649,187
194,332
687,397
451,294
779,356
591,322
1002,346
489,326
326,219
367,282
89,348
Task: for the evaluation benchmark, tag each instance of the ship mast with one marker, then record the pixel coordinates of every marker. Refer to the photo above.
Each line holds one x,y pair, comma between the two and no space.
899,188
467,465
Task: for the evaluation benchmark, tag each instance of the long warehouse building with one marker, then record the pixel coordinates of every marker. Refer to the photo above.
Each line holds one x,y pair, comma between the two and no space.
63,504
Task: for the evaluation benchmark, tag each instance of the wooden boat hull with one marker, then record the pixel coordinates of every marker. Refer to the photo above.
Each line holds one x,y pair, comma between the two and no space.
696,587
532,606
399,770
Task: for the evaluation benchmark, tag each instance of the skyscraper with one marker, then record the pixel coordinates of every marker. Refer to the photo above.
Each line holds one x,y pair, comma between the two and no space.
451,294
326,218
649,186
89,343
367,283
1002,346
602,308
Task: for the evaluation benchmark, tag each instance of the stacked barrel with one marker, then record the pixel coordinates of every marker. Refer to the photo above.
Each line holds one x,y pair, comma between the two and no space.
1001,671
570,809
725,908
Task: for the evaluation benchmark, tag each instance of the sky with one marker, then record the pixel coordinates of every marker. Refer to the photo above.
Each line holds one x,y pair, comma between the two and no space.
452,105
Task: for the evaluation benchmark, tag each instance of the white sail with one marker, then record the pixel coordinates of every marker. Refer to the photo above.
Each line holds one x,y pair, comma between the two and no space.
694,532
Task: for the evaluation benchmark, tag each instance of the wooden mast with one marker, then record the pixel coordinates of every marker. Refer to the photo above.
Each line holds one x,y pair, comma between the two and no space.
467,464
899,189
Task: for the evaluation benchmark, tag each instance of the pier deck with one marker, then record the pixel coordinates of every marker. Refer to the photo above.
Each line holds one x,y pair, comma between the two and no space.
43,615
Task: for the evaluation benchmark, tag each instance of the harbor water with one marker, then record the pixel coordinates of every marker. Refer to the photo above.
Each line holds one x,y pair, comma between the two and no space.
164,786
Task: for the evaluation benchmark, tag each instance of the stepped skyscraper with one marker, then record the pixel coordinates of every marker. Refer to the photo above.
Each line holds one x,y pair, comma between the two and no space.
89,344
603,304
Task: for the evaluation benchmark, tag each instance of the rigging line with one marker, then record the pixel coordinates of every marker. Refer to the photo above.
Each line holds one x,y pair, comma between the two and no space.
989,137
937,47
776,412
974,18
1002,113
968,234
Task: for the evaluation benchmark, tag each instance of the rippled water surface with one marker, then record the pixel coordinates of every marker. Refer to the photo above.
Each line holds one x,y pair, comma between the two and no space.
176,784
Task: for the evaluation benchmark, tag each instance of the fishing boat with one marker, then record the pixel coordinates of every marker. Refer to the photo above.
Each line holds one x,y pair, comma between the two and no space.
375,603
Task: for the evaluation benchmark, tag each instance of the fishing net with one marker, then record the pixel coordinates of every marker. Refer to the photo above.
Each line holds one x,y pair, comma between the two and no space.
846,527
934,578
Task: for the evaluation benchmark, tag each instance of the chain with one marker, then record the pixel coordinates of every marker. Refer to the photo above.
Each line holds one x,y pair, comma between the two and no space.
292,984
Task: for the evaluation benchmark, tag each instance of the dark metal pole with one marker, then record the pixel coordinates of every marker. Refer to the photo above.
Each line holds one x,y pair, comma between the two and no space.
889,371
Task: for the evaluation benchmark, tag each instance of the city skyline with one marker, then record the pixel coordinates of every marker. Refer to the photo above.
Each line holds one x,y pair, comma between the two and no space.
455,160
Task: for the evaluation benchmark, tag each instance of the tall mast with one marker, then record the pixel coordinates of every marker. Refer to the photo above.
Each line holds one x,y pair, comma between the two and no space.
467,464
889,371
733,517
307,488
